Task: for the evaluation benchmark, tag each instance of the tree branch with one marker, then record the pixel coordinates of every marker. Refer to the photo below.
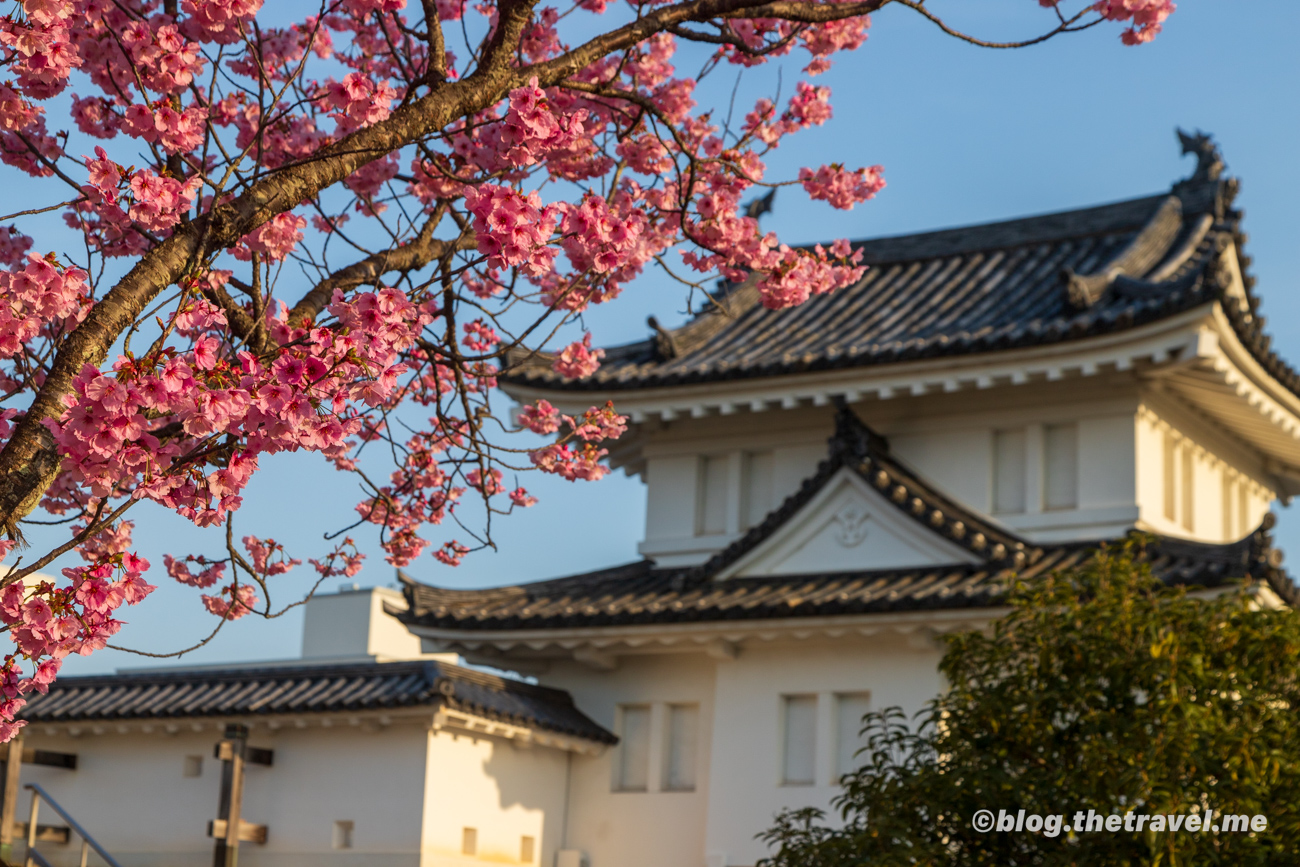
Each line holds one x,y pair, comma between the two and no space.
436,70
421,251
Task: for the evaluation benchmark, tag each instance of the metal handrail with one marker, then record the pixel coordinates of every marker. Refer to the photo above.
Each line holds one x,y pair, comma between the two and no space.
87,841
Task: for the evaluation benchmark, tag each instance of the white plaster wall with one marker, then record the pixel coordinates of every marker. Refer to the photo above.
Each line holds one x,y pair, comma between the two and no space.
816,540
1150,472
673,490
950,443
502,790
408,791
958,460
670,496
654,828
793,464
947,439
1107,461
128,791
1215,457
739,787
745,768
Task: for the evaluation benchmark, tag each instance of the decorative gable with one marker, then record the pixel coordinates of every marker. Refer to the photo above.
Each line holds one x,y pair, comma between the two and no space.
864,511
849,527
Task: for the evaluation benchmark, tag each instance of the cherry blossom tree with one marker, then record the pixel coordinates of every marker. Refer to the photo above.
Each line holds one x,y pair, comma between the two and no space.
334,235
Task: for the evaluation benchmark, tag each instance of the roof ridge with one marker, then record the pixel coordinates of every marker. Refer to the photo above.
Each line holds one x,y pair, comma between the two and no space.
495,681
237,672
432,669
1143,253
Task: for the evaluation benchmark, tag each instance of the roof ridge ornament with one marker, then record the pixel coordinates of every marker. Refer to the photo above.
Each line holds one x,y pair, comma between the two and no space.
756,208
1147,248
1209,160
1207,188
665,345
853,438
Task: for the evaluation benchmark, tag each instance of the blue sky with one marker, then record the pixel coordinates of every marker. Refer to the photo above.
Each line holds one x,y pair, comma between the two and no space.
965,135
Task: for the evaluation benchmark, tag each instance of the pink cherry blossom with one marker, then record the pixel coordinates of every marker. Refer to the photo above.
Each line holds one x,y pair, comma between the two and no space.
1148,17
275,239
578,360
512,228
358,101
210,574
262,550
522,498
532,129
480,337
540,418
842,189
233,602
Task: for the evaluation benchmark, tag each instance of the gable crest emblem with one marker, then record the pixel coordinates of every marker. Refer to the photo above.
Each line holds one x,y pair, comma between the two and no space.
851,525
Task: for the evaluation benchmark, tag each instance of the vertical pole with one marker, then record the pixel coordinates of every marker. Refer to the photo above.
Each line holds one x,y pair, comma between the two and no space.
231,752
31,827
9,801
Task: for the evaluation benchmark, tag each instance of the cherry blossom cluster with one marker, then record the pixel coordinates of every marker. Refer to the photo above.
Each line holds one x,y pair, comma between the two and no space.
531,129
219,20
110,433
237,599
210,572
13,246
608,240
142,198
793,276
578,360
47,622
41,297
421,491
344,561
576,453
357,101
513,228
275,239
1147,16
842,189
159,124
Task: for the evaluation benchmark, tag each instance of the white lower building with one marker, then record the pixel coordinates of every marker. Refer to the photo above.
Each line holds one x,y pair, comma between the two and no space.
831,489
380,755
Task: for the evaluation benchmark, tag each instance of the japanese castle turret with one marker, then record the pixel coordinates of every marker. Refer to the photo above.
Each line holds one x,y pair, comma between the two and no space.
1073,375
832,485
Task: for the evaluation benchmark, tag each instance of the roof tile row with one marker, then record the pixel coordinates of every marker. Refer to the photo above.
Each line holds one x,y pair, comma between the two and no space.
273,690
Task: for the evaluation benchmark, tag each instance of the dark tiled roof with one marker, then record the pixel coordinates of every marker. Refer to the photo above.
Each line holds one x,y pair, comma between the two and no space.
639,593
1032,281
272,690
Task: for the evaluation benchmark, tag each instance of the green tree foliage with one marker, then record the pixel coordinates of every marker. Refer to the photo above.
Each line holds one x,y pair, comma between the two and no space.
1103,689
